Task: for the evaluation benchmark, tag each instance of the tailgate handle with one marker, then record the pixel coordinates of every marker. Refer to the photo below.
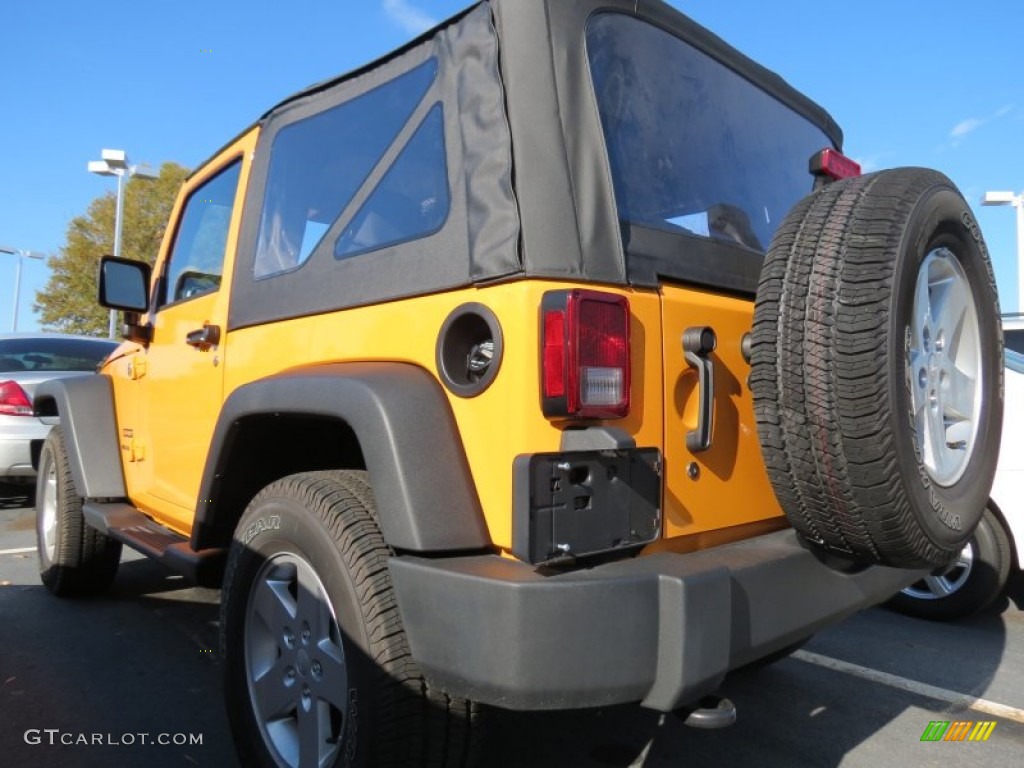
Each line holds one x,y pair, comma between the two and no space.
699,342
204,338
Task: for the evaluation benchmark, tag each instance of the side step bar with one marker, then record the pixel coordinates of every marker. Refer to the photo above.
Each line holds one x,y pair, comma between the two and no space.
128,525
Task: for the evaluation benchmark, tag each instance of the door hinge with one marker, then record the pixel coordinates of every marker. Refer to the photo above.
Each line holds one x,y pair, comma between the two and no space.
138,450
134,448
136,367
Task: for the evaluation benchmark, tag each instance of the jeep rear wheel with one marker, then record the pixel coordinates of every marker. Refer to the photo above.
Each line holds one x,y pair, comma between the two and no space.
75,559
318,672
876,369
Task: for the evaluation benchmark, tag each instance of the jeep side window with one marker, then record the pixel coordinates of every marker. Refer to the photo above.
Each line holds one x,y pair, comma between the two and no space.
319,164
411,200
197,258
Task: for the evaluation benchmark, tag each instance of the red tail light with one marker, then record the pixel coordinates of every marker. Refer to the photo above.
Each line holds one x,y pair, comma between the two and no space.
834,165
13,400
585,355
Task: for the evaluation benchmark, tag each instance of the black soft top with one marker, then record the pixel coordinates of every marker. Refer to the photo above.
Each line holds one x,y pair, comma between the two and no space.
531,195
656,11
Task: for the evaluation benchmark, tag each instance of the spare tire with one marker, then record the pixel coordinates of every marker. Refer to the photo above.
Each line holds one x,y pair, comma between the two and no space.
877,369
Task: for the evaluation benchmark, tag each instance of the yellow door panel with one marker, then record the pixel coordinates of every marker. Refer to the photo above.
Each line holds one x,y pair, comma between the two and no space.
725,485
183,394
181,378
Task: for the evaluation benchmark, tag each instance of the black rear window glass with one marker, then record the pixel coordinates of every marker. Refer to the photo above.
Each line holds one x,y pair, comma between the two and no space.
52,354
694,147
318,164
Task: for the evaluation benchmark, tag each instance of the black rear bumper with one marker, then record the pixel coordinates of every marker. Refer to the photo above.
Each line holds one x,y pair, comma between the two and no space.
662,629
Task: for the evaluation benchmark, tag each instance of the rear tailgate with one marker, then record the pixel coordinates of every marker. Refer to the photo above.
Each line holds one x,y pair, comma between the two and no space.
725,485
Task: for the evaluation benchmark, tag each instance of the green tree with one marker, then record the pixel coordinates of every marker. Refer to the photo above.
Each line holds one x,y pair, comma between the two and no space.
68,301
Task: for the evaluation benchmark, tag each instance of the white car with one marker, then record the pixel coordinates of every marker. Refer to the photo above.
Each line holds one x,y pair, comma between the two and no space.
26,360
1013,331
980,574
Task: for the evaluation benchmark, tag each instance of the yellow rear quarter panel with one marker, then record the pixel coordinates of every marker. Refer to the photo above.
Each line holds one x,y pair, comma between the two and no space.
496,426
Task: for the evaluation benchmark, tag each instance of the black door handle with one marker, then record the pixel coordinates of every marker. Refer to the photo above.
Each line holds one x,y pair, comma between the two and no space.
204,338
699,342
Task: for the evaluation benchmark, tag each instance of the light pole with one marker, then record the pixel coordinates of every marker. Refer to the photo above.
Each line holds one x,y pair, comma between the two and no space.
1017,201
114,162
19,254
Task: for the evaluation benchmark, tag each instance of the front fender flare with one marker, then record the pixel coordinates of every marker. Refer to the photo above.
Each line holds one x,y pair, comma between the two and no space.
85,405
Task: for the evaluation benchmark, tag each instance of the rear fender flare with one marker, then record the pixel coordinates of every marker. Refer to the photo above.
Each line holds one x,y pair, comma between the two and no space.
426,498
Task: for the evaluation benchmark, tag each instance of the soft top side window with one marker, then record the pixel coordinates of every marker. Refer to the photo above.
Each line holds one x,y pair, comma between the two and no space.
318,165
412,198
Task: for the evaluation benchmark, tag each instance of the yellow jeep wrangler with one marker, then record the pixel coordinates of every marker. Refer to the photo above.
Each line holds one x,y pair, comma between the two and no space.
557,359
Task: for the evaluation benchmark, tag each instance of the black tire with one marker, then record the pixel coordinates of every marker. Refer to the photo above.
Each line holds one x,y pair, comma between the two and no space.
75,560
322,525
833,341
969,585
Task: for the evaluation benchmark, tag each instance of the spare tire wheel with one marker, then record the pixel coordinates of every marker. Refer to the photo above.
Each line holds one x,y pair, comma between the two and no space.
877,369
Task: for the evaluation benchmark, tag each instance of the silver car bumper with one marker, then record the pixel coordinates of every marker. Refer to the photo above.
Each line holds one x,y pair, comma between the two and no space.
16,436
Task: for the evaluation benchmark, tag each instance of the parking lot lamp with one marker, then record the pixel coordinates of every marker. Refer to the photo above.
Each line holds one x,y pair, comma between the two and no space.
114,162
19,254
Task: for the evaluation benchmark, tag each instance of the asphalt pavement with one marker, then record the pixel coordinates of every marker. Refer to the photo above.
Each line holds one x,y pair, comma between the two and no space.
132,678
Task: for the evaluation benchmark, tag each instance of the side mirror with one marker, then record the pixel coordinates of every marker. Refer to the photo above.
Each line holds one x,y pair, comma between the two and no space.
124,284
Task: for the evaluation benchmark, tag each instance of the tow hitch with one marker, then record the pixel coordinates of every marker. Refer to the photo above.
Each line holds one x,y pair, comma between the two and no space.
710,712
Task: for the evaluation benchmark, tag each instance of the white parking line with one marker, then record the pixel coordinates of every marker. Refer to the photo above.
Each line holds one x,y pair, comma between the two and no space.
19,551
954,699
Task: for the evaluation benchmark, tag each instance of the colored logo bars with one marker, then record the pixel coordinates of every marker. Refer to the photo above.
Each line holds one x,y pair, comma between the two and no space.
960,730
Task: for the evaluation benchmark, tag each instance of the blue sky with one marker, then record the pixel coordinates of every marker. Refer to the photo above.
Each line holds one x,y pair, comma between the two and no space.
938,84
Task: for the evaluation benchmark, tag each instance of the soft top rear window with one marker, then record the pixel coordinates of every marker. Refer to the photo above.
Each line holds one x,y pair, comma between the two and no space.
695,149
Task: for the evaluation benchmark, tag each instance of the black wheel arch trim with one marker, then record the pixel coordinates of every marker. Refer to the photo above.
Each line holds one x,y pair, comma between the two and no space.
85,406
427,501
